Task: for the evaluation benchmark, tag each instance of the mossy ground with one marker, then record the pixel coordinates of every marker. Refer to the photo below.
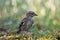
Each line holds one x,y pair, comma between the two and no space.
52,35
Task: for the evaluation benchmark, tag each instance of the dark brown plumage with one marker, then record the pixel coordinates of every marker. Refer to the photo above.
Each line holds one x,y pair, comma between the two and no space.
27,22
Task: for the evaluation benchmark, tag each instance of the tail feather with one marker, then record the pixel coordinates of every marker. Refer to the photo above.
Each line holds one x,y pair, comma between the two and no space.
19,31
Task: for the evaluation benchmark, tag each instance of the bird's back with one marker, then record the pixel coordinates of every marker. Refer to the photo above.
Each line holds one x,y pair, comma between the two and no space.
25,25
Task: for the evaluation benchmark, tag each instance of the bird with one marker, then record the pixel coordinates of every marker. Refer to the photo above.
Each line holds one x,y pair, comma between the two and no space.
27,22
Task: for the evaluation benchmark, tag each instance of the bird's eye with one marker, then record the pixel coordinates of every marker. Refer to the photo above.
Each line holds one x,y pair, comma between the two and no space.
33,13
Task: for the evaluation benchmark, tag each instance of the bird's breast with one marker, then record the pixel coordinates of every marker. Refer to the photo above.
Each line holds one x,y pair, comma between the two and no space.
29,23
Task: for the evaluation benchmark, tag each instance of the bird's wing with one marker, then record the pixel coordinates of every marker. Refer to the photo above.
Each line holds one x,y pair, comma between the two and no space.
19,28
23,23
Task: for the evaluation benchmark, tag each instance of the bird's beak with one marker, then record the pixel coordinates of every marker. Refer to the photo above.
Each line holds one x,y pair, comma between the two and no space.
35,15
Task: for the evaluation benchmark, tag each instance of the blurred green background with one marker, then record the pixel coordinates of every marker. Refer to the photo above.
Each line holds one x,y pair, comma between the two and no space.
13,11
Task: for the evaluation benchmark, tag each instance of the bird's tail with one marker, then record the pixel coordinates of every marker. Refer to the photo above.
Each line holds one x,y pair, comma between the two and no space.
19,31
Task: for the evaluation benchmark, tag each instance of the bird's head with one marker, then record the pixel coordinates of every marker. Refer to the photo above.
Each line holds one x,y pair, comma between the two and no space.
31,14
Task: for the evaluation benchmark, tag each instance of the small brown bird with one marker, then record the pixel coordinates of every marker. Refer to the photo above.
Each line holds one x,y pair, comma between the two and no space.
27,22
